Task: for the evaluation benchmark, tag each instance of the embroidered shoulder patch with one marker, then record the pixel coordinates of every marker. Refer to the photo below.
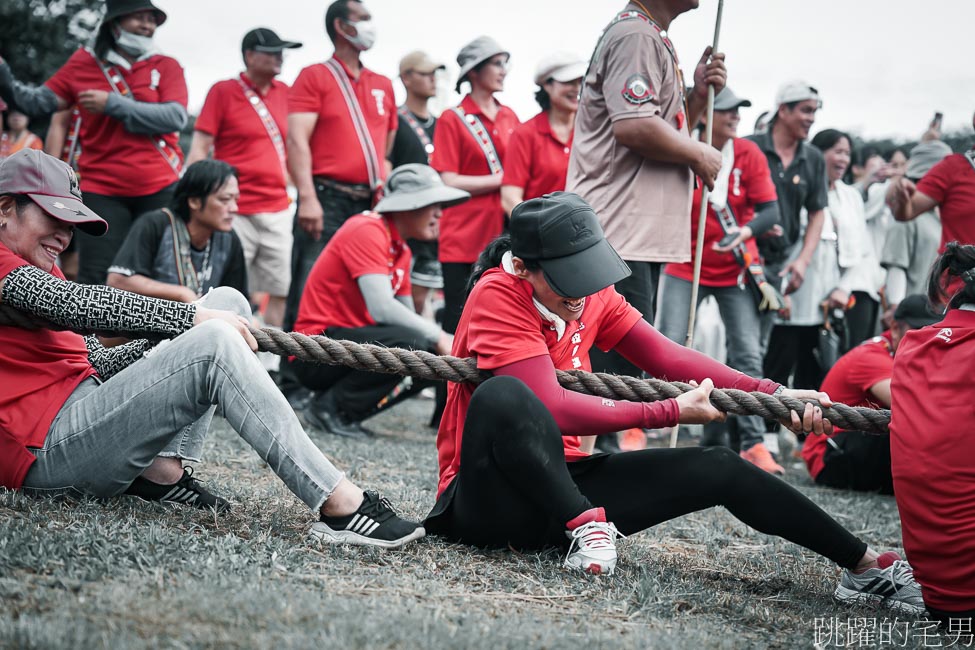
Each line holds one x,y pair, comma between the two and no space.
638,89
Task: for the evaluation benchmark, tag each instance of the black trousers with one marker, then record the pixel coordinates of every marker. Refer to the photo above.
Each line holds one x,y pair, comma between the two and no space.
455,277
514,488
790,356
358,392
854,460
95,254
640,290
861,320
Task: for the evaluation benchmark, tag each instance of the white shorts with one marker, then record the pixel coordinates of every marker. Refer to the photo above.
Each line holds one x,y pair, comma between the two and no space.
266,238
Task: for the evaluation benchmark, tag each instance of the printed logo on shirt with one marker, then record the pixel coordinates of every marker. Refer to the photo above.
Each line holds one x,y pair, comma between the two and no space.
638,89
608,402
380,96
944,335
154,79
736,186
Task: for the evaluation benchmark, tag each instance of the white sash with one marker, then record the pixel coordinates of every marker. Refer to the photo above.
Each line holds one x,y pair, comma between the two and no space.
358,121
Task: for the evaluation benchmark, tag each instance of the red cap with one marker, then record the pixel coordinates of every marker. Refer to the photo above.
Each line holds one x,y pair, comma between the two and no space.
52,185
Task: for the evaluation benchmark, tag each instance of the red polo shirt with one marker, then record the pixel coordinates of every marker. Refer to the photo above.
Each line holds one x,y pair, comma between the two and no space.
241,139
849,382
39,369
116,162
500,325
335,149
467,228
749,184
536,160
933,457
952,184
366,244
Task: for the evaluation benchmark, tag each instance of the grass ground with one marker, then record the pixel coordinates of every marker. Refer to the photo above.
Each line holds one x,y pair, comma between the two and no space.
84,574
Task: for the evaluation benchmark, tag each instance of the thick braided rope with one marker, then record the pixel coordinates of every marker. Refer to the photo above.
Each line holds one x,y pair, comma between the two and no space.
425,365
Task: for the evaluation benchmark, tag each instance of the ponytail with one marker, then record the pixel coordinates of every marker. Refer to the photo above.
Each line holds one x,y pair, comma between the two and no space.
490,258
958,261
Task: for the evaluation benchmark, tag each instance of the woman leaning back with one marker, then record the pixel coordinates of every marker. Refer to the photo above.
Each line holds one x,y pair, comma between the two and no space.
103,422
511,472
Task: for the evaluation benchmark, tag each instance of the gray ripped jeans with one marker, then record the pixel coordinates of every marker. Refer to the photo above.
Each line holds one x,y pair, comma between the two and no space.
106,434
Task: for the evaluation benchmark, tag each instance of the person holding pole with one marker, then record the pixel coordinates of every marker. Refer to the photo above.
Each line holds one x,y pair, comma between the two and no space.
741,207
632,156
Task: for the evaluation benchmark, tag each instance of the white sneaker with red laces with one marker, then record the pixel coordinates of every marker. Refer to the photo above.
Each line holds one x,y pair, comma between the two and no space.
593,548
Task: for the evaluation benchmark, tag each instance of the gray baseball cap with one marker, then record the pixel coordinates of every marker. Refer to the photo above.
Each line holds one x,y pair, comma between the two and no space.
727,100
52,185
477,51
925,156
414,186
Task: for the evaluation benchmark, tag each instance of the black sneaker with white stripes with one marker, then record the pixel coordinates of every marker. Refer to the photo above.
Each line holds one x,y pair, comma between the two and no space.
187,491
375,523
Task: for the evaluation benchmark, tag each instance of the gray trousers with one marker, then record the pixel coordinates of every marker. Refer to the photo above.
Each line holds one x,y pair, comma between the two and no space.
107,434
742,323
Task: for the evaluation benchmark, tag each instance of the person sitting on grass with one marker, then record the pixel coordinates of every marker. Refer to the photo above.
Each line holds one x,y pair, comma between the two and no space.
181,252
77,416
854,460
511,471
932,452
359,290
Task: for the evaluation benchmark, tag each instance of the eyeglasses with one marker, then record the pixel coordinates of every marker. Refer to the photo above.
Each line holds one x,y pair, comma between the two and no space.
500,64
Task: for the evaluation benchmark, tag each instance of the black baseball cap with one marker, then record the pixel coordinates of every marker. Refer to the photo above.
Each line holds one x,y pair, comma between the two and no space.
263,39
560,231
915,310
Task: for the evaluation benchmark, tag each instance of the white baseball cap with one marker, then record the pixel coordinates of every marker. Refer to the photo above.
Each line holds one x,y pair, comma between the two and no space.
796,91
561,66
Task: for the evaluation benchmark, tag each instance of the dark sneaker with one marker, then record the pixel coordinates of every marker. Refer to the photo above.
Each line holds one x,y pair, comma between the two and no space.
891,584
323,414
187,492
375,523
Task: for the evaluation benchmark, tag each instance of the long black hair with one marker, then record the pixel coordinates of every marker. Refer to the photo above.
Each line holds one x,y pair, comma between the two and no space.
958,261
105,38
491,256
201,179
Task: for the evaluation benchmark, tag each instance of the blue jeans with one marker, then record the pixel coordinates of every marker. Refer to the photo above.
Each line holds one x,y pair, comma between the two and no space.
107,434
742,323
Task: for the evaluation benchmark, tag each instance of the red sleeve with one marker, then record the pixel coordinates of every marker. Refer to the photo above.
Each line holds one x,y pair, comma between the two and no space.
406,286
760,188
938,179
581,415
504,326
365,250
875,365
9,261
446,143
208,121
390,104
654,353
617,318
62,81
172,82
518,157
305,95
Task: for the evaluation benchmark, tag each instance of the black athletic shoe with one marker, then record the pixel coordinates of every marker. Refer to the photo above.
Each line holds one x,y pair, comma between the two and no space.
187,491
375,523
323,414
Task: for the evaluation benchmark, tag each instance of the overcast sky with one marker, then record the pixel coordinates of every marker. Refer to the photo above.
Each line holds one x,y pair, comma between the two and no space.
883,67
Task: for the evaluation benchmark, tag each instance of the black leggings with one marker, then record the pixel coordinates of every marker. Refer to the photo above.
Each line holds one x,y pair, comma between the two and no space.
514,487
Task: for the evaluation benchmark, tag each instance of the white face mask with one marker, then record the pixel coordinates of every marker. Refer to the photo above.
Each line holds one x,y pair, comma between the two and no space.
134,44
365,36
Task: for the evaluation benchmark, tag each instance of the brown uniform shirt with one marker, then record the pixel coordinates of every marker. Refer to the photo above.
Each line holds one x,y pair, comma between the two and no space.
643,205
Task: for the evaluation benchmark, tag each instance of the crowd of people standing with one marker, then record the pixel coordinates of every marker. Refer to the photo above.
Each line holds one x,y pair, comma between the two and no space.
817,255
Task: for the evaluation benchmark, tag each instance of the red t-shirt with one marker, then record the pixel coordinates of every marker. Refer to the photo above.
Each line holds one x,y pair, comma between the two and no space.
952,184
536,161
241,139
500,326
849,382
933,457
749,184
116,162
335,149
467,228
366,244
39,369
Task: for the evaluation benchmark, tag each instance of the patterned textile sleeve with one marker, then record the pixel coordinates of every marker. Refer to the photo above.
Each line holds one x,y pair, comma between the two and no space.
95,309
109,361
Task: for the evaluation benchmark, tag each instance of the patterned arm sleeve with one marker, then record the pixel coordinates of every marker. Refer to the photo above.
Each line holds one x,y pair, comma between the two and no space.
110,361
93,308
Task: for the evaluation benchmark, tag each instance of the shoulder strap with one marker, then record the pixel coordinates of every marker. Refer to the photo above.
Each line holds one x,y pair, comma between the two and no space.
418,130
480,134
270,125
118,85
185,271
358,122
